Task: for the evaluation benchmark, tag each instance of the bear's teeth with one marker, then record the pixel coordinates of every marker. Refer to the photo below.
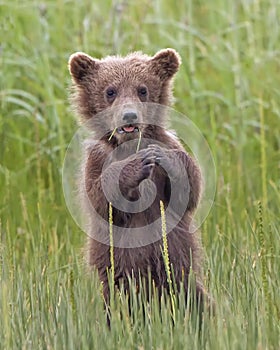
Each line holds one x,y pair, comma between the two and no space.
120,131
127,129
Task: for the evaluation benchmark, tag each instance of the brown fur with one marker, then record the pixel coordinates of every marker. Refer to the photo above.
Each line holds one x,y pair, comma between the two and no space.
126,76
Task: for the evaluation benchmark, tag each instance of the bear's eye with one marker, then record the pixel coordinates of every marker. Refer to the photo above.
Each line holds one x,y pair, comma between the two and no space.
111,92
142,91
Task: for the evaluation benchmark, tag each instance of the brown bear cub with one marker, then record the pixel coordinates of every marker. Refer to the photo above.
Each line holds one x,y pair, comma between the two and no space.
136,164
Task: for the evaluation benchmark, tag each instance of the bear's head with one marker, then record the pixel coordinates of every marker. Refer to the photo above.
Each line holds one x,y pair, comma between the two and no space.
115,89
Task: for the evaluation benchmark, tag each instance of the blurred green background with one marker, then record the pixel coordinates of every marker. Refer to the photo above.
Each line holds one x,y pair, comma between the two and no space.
228,85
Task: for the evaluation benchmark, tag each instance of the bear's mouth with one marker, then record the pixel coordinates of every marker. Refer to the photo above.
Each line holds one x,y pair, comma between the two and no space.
128,129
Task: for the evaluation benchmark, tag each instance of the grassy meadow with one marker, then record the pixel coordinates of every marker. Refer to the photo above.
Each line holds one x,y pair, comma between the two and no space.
228,84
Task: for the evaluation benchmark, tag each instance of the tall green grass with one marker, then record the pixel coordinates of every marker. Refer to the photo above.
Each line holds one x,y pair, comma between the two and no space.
228,85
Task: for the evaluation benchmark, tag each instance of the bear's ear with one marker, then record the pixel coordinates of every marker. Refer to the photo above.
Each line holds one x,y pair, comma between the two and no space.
166,63
80,65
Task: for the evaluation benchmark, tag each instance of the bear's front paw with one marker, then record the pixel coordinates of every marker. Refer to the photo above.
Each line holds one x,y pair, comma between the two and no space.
139,167
162,158
148,161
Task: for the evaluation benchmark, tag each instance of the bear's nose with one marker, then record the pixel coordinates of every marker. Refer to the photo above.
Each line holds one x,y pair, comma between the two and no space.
129,117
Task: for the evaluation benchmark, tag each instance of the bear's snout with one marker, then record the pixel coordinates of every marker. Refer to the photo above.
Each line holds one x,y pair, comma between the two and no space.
129,117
